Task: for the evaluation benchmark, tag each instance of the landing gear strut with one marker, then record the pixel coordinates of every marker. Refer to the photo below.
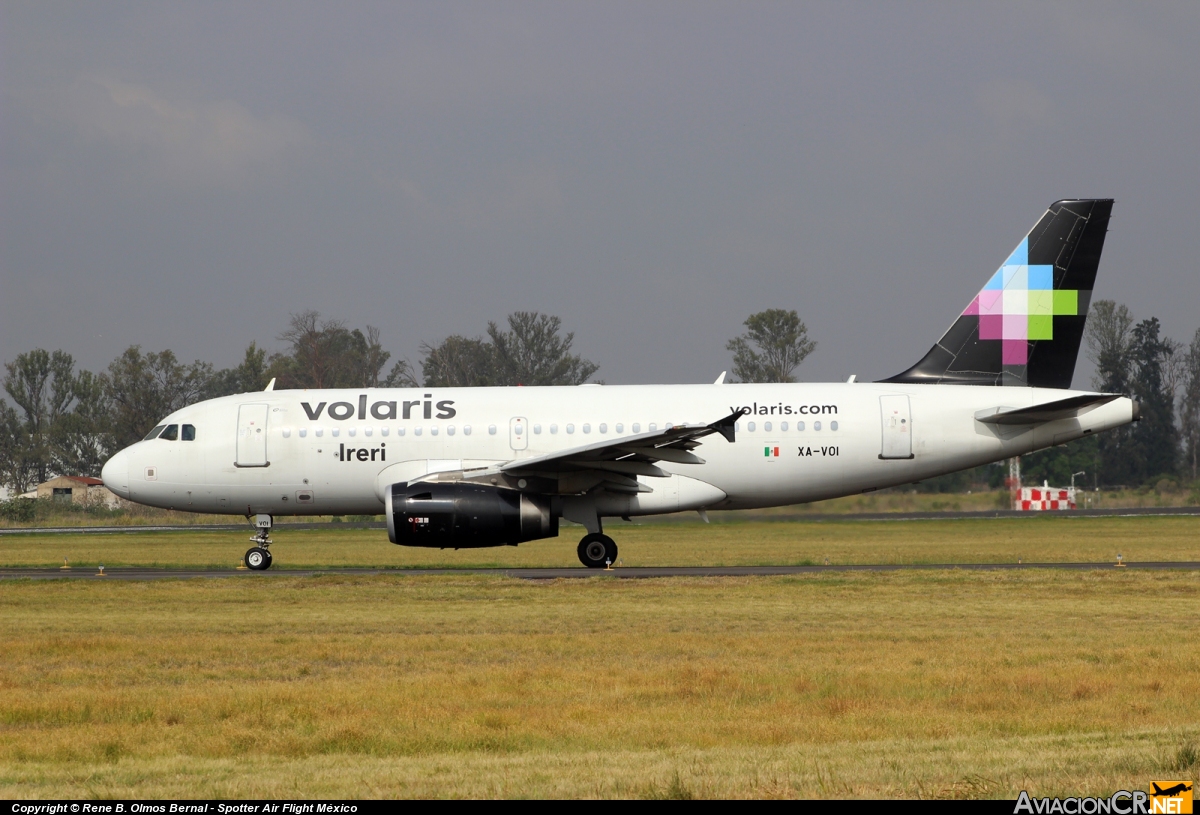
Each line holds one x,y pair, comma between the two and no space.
259,557
597,551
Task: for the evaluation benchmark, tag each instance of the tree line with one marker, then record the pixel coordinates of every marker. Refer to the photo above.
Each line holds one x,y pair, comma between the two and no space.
59,420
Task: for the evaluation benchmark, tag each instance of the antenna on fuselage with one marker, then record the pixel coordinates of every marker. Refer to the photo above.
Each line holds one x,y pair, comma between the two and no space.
270,385
721,378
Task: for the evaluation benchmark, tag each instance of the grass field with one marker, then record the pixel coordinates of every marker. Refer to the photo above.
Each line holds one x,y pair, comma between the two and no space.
1043,538
932,684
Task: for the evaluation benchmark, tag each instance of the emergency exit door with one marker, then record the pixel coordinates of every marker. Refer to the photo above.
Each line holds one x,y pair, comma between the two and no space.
897,427
252,436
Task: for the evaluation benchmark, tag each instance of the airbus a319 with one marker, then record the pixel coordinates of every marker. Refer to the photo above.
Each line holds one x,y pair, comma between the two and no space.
475,467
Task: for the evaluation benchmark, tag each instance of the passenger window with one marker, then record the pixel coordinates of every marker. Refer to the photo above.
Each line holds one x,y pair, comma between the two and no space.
537,430
637,427
450,430
171,433
466,430
603,427
304,432
587,428
833,425
653,427
750,427
399,431
799,425
570,428
620,427
816,425
783,426
767,426
491,430
416,431
553,428
153,434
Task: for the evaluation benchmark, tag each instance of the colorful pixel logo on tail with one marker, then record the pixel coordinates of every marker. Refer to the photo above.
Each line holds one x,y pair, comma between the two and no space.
1019,304
1025,326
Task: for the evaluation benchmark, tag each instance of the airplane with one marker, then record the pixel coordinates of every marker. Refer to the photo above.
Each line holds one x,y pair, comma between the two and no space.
1171,792
476,467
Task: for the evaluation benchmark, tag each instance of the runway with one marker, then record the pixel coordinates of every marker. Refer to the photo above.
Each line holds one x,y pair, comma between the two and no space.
741,515
625,573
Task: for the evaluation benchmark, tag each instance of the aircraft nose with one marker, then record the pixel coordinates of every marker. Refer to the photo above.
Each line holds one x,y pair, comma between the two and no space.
115,474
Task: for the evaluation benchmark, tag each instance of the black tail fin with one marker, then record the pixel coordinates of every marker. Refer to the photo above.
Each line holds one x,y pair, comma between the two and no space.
1025,326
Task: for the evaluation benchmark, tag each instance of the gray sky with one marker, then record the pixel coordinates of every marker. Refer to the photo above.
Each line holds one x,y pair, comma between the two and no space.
185,175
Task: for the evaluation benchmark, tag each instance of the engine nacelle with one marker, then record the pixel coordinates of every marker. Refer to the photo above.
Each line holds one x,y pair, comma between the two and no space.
464,516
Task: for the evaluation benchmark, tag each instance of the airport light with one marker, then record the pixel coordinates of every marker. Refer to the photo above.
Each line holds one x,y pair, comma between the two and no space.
1081,472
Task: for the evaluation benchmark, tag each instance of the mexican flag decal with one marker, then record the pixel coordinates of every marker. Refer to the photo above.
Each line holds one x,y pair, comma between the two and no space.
771,452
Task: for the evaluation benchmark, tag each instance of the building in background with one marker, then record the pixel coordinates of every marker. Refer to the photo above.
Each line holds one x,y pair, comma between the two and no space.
76,489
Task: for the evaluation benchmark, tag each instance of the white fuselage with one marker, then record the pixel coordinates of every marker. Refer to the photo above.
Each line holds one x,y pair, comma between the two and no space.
333,452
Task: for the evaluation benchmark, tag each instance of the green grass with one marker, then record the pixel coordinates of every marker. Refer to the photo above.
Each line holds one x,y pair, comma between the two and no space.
1042,538
930,684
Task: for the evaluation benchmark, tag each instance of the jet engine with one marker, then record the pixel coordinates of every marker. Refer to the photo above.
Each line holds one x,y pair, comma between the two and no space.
464,516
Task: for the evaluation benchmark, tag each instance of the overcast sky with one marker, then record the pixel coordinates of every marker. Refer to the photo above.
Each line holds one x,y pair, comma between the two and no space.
185,175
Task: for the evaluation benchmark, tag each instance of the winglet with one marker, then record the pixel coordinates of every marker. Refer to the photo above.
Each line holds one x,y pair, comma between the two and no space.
725,426
721,378
270,385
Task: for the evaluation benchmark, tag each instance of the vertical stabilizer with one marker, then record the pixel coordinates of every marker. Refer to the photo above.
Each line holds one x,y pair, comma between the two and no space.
1025,326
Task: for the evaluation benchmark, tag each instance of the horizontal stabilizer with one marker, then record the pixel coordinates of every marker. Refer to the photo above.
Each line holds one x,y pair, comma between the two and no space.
1047,412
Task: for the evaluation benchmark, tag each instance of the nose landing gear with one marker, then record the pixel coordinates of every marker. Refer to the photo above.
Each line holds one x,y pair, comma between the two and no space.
258,558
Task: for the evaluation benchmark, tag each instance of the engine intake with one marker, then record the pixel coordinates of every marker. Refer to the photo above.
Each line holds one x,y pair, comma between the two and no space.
466,516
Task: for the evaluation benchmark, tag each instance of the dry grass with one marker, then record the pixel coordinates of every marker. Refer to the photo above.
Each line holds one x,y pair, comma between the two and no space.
1044,538
950,684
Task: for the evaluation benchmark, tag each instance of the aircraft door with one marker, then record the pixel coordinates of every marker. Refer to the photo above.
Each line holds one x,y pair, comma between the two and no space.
518,433
897,427
252,436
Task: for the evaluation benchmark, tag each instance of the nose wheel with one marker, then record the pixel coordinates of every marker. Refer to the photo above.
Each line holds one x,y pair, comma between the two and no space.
597,551
258,558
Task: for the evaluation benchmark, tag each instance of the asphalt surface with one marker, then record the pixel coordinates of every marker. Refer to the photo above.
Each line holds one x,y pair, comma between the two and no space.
745,515
136,573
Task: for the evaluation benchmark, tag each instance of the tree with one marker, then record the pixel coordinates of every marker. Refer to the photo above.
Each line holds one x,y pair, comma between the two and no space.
459,362
1190,402
81,439
247,377
532,353
325,354
1109,340
144,388
402,375
1108,337
42,385
18,455
1154,441
774,345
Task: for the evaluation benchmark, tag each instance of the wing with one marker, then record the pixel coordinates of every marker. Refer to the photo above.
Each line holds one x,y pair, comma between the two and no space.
612,465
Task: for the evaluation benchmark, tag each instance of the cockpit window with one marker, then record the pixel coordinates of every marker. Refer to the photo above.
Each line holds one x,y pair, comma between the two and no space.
153,434
189,432
171,433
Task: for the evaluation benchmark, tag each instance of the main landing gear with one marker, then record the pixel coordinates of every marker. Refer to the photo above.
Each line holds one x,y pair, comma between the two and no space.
597,550
259,557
